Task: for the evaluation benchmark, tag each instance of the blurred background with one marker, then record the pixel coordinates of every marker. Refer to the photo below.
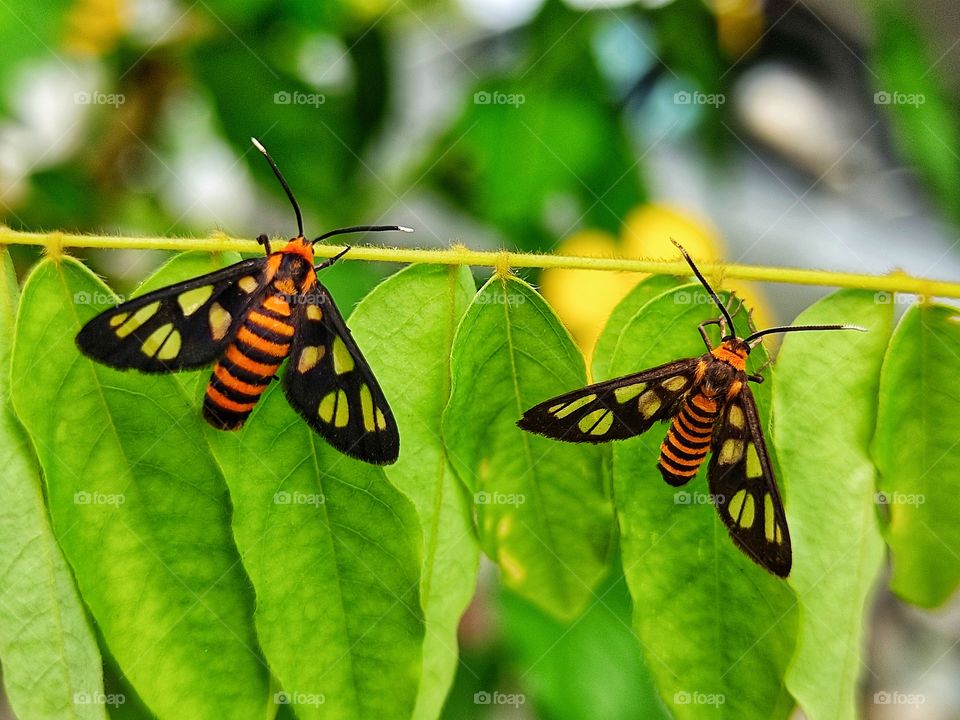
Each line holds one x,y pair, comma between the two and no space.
801,133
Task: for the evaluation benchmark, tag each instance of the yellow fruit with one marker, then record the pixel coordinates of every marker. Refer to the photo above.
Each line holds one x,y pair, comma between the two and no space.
584,299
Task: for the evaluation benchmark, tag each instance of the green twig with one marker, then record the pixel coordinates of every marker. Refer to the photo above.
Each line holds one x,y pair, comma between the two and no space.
56,242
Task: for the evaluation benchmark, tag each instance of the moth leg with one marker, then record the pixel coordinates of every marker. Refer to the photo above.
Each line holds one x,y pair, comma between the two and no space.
331,261
734,299
750,324
702,327
756,376
265,241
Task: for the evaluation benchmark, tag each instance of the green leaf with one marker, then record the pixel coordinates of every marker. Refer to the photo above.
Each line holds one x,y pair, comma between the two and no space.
825,408
51,663
717,629
333,551
645,291
139,509
589,667
543,514
917,453
406,328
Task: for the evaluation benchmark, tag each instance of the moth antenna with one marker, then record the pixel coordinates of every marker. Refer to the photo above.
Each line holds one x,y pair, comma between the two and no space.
363,228
283,182
706,285
799,328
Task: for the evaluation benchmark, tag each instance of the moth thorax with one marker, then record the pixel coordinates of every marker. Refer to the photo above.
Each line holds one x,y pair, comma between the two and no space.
299,247
732,352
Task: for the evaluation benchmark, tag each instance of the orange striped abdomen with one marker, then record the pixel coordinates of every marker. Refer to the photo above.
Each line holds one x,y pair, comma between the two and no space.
249,363
688,439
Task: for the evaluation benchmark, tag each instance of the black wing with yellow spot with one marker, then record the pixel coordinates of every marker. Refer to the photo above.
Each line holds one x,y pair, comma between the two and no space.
331,385
615,409
745,492
178,327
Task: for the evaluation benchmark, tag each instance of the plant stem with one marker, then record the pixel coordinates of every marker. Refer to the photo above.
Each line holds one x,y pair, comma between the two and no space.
897,281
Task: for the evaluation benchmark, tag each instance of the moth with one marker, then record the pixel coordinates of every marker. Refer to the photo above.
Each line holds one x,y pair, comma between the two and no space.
248,319
710,407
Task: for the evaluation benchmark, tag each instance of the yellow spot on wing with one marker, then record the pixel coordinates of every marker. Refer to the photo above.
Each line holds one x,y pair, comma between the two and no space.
649,403
736,503
325,411
118,319
309,357
247,283
138,319
342,359
674,383
574,405
629,392
164,339
749,512
219,321
731,451
343,410
754,470
381,420
366,407
596,422
171,348
191,300
314,313
741,509
769,521
735,416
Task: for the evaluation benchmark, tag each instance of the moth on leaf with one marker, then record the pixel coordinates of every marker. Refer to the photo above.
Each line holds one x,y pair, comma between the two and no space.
248,319
708,402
